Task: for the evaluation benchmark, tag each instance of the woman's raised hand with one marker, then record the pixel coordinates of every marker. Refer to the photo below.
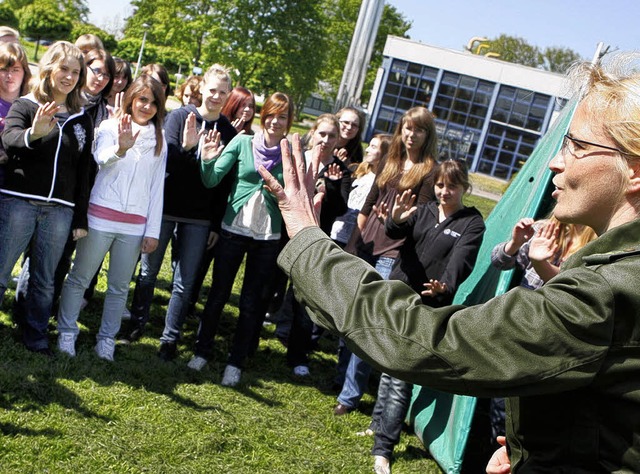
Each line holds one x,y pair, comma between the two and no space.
191,135
334,172
298,205
44,120
544,243
211,148
403,207
126,138
433,288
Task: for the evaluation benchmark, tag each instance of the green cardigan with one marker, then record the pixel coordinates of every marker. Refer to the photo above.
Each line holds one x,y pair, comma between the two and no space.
567,355
247,180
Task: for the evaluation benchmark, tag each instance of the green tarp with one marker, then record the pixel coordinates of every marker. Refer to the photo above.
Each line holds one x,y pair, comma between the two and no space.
442,421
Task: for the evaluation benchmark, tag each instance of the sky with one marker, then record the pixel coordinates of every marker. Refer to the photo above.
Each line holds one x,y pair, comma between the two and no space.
575,24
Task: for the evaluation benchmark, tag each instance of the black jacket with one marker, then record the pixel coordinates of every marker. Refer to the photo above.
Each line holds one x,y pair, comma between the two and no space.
54,168
445,252
334,202
184,194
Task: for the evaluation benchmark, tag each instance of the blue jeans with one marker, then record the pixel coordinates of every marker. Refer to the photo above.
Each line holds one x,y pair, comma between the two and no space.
257,290
47,227
358,371
123,256
190,243
389,413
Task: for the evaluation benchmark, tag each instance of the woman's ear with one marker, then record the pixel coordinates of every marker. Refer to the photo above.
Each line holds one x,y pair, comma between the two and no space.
634,178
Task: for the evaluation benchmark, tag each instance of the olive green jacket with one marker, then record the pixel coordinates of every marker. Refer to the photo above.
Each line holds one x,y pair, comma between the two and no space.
566,355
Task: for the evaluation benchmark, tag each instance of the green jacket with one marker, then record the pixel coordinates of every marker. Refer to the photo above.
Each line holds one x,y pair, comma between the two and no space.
566,355
247,180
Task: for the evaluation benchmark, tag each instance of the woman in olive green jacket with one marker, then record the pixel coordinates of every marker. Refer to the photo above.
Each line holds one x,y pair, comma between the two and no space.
567,355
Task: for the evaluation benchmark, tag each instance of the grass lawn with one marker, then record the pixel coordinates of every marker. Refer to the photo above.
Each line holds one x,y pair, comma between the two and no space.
139,414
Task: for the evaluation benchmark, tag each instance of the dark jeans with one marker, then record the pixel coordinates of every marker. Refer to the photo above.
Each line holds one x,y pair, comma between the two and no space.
300,336
257,290
389,414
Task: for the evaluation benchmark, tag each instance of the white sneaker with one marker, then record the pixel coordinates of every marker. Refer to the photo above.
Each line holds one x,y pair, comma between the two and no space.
126,315
105,348
381,465
67,343
301,371
197,363
22,282
231,376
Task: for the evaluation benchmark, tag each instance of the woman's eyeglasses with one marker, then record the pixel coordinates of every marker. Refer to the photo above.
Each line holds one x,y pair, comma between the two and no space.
579,148
100,74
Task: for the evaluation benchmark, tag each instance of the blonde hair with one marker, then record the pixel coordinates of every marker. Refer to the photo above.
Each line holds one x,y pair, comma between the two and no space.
393,167
220,72
366,167
57,53
87,42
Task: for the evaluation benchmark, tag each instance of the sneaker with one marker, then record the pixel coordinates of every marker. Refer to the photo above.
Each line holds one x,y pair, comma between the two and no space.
168,351
231,376
301,371
367,432
22,283
126,315
67,343
197,363
105,348
381,465
45,351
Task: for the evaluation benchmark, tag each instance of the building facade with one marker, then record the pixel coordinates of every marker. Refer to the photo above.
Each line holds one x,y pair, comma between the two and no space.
489,113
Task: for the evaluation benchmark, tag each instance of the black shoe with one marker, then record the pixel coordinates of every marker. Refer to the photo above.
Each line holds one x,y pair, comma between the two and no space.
168,351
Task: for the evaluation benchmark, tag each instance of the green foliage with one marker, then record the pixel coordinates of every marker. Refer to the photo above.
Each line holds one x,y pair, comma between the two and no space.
559,59
43,19
108,40
342,16
516,50
7,16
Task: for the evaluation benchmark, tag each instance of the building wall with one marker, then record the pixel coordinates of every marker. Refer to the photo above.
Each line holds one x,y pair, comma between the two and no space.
488,112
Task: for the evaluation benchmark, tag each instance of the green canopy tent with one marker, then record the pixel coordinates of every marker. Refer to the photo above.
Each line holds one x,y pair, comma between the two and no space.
442,421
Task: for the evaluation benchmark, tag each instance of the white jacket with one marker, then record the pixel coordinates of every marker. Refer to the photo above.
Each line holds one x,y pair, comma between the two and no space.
134,183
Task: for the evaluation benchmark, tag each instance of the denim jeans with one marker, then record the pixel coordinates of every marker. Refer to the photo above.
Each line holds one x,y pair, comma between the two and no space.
389,413
190,242
47,227
257,289
123,256
358,371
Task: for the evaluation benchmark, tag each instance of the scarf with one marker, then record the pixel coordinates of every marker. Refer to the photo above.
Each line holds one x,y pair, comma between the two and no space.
267,157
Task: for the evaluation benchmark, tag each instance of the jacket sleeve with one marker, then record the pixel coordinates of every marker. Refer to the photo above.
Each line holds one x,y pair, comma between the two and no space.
462,259
17,122
425,190
371,200
106,144
154,216
521,343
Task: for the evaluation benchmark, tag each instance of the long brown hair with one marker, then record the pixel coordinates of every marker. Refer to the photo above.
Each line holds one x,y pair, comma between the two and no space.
393,167
55,55
157,89
11,54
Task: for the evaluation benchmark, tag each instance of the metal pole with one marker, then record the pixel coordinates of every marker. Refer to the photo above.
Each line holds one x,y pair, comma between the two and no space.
144,39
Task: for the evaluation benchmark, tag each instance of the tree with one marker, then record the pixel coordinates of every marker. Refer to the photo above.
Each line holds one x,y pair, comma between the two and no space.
342,16
7,16
559,59
79,29
42,19
517,50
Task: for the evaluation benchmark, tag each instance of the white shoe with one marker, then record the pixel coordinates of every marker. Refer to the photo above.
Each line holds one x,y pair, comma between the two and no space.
231,376
105,348
67,343
126,315
381,465
301,371
23,280
367,432
197,363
